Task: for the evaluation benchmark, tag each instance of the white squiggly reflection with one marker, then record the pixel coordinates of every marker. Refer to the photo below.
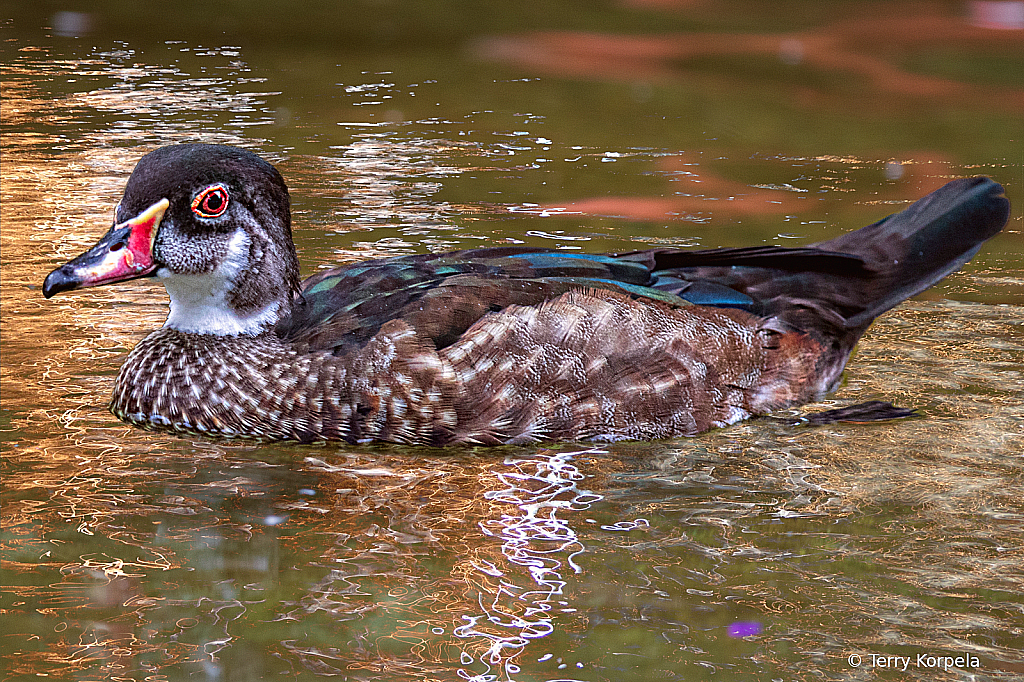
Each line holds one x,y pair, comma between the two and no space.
535,540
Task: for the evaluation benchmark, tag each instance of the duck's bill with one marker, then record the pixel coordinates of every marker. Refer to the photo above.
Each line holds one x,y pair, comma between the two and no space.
125,252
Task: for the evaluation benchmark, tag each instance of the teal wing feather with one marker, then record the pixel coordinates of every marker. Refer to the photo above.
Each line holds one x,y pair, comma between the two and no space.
442,295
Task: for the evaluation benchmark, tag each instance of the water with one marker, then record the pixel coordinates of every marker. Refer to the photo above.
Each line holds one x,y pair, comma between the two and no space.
764,551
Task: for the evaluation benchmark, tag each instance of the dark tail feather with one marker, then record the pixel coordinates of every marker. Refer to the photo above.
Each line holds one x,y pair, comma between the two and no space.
914,249
834,289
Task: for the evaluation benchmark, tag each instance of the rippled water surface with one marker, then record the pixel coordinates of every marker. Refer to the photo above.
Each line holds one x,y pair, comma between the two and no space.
769,550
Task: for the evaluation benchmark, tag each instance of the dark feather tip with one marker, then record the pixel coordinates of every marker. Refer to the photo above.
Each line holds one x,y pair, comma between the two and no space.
861,413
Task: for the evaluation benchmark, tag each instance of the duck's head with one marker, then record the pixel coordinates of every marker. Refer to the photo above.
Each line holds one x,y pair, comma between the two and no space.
213,223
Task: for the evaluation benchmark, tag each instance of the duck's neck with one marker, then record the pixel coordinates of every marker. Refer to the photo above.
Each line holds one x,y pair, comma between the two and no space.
200,305
245,294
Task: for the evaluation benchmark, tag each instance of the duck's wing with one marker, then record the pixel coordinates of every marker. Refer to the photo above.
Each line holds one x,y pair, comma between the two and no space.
442,295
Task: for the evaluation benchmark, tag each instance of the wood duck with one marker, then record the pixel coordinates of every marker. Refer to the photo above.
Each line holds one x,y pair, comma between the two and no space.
494,345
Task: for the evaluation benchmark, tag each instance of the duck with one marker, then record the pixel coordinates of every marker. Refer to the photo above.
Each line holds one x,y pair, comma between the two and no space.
487,346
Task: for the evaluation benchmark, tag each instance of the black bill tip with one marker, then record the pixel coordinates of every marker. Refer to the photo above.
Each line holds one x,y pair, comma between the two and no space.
61,279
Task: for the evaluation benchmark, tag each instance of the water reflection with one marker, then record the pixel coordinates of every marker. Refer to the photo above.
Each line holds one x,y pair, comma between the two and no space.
534,538
507,546
867,50
72,24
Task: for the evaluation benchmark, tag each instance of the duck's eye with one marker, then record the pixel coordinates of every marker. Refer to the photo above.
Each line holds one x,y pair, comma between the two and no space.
211,202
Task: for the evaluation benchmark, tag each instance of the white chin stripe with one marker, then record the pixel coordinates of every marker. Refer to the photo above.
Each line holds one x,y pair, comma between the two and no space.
199,303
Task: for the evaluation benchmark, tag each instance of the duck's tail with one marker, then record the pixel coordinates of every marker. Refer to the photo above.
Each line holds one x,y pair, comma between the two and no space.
910,251
839,286
833,290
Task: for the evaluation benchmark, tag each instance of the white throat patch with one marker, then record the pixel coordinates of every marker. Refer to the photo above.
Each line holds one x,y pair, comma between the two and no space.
199,303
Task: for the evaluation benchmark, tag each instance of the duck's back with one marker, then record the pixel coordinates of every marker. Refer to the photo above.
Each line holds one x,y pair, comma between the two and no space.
530,344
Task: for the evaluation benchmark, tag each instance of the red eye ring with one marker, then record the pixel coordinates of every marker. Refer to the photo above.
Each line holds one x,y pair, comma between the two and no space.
211,202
